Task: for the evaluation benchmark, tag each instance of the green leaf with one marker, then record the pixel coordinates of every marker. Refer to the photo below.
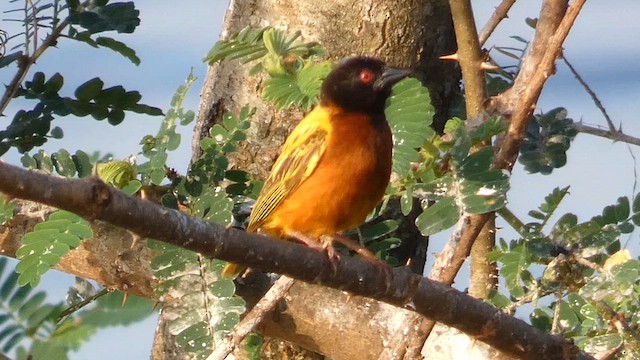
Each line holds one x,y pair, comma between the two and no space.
596,242
488,129
63,163
553,200
6,211
156,148
440,216
301,90
613,286
132,187
115,117
636,204
515,264
252,346
120,48
602,343
481,189
406,200
89,90
547,140
409,113
83,163
213,206
196,339
246,45
121,17
28,162
57,133
568,321
9,283
117,173
498,300
223,288
622,209
42,248
112,310
236,175
452,124
379,230
43,161
274,41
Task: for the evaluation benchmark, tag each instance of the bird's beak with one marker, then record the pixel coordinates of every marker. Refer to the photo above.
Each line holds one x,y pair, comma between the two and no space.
390,76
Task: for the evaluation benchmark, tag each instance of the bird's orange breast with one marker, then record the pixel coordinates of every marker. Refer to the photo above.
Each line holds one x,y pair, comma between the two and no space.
348,182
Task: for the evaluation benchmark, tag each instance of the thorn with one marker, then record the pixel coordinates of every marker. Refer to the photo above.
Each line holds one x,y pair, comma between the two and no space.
245,273
488,66
136,239
453,56
349,297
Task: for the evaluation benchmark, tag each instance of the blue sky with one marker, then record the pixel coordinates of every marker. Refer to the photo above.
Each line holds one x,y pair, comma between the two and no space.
175,35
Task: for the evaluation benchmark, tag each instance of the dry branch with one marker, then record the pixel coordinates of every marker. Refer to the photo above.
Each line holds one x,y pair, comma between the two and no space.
551,31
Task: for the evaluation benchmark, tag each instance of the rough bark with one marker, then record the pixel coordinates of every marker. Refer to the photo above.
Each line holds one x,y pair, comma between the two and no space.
410,33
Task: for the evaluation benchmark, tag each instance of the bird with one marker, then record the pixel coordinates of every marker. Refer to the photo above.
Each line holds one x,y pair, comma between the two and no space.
335,165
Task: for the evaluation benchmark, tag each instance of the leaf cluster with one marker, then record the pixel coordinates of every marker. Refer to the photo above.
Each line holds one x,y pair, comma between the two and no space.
469,185
50,240
547,141
30,128
202,306
576,275
294,75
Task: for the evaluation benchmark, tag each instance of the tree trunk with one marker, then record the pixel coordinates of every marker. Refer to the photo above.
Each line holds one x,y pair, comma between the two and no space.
412,33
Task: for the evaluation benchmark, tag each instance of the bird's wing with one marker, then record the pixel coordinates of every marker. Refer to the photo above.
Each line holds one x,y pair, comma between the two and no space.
298,159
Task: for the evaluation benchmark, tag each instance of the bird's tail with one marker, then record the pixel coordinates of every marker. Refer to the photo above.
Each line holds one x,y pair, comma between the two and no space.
232,270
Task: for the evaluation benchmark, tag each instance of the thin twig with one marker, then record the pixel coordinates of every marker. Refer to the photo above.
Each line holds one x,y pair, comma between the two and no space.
618,321
591,93
500,14
586,262
77,306
530,297
25,62
615,135
511,219
253,318
555,324
204,290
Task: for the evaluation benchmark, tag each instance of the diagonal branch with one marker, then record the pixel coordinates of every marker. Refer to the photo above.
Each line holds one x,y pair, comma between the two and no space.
253,318
527,89
500,14
94,200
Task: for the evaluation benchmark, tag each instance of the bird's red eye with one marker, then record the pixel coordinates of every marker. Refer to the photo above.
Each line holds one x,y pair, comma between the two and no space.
366,77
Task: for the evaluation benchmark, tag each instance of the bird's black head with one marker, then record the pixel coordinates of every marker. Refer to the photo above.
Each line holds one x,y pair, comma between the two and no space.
360,84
